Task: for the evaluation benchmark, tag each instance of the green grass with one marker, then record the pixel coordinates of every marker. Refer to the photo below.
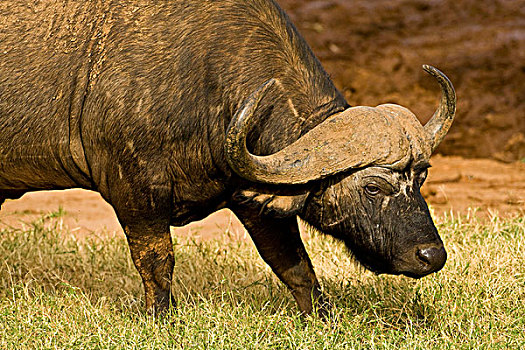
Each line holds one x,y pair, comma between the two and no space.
57,291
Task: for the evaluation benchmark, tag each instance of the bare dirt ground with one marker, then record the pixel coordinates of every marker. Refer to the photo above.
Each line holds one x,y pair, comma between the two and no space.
374,51
454,184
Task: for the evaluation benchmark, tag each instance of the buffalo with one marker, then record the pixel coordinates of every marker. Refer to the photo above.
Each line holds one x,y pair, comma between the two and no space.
174,109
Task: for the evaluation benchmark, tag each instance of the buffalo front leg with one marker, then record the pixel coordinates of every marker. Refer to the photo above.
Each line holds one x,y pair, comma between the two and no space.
152,254
279,244
145,215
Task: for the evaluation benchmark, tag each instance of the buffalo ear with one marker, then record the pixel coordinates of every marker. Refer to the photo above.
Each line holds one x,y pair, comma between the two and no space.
273,205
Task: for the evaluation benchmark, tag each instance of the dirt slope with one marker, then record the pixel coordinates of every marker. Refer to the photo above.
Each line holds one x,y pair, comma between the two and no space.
374,51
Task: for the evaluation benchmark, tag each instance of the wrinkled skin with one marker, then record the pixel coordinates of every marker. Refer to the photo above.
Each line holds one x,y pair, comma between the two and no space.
382,218
377,212
133,99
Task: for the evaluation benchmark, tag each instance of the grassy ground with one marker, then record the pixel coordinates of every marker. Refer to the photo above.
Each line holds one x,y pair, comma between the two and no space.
60,292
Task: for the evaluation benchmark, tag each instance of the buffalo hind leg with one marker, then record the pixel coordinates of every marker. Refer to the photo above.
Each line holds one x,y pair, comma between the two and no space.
279,244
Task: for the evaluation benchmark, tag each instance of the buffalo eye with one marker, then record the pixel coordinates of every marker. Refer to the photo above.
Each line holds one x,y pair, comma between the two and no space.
372,189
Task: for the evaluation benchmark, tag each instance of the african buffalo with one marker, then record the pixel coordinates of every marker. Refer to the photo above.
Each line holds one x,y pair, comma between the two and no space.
174,109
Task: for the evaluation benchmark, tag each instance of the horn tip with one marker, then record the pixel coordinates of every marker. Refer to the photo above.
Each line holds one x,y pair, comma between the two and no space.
269,83
431,70
264,87
440,76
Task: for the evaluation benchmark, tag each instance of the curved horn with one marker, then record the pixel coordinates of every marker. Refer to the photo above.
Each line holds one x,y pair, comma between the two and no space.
356,137
438,126
237,154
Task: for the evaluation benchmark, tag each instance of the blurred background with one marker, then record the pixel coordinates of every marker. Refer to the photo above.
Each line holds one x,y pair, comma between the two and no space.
374,51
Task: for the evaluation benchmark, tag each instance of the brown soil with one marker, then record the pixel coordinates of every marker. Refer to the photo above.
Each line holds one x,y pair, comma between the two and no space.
374,51
454,184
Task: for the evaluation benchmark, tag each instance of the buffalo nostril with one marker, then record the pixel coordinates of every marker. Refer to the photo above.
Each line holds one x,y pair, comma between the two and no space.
433,257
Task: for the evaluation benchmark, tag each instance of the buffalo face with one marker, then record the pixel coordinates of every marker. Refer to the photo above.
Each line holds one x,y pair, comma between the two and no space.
369,164
382,218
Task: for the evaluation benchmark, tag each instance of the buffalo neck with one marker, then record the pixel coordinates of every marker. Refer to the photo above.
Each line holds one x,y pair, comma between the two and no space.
271,48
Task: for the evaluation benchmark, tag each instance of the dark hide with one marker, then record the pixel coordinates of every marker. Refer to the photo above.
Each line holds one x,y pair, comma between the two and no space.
133,98
381,217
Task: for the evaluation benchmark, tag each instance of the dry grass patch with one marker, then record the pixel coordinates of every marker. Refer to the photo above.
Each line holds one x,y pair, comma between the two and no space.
60,292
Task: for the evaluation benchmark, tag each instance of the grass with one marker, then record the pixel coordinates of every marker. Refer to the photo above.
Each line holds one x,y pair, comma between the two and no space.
59,292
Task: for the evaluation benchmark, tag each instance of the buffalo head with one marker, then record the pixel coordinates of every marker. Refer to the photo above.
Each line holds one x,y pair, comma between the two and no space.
363,168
